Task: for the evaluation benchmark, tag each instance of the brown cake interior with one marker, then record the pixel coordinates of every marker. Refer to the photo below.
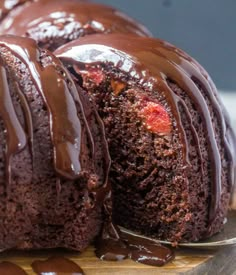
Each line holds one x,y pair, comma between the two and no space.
153,192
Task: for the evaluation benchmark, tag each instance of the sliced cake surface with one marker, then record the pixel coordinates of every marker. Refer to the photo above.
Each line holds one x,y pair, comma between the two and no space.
170,139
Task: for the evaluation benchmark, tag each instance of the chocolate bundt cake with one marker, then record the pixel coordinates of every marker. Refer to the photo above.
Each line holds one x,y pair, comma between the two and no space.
53,23
169,136
53,155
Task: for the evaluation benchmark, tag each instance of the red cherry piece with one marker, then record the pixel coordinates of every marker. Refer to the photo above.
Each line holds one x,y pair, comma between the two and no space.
95,75
156,118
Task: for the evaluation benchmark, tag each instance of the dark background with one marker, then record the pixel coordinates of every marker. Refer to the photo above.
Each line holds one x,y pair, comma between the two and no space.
206,29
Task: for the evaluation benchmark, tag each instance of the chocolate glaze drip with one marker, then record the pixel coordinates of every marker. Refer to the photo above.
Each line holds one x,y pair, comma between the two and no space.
64,122
137,249
147,252
109,246
67,20
201,77
27,116
16,137
7,268
53,265
114,245
139,59
65,114
57,266
102,193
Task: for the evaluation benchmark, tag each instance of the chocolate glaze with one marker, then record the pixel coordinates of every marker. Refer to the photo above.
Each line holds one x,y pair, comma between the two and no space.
27,116
64,122
146,251
111,250
62,103
139,58
7,268
57,266
138,249
16,137
53,23
114,245
7,5
109,246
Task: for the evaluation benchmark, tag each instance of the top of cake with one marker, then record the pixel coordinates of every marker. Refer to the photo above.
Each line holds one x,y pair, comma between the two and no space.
53,23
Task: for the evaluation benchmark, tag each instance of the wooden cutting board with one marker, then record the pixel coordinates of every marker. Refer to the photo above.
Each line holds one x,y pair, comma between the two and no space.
187,261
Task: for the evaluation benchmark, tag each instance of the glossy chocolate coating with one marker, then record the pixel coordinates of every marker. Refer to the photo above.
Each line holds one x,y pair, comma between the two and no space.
53,23
7,268
114,245
137,249
53,265
7,5
15,133
57,265
62,101
65,124
151,62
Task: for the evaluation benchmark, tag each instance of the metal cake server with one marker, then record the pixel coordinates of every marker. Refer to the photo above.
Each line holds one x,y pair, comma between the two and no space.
225,238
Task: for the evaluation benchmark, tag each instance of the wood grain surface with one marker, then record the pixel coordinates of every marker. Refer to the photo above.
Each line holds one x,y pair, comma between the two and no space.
187,261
